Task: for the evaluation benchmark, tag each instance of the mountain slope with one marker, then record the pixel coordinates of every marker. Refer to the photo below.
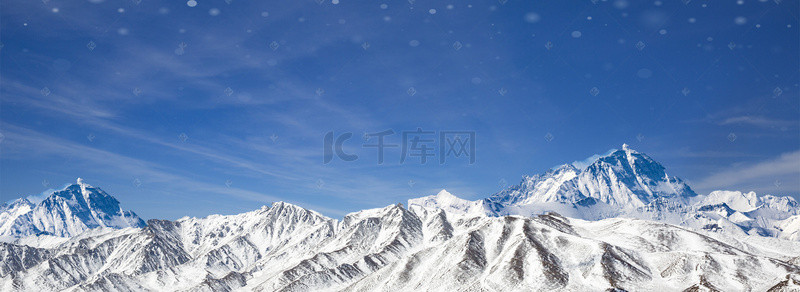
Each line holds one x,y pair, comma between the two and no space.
288,248
68,212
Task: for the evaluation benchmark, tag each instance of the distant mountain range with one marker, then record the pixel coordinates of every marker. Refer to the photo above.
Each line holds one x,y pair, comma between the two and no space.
621,223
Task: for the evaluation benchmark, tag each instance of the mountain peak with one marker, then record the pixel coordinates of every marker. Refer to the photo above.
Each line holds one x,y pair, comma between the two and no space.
625,179
444,194
67,212
448,202
281,206
82,183
564,167
627,148
20,201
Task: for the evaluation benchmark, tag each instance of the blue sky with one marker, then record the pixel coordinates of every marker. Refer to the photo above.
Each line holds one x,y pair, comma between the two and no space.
221,107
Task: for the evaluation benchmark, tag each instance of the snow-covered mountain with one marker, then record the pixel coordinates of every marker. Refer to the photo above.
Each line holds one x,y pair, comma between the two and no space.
287,248
613,184
446,201
737,212
621,223
68,212
627,183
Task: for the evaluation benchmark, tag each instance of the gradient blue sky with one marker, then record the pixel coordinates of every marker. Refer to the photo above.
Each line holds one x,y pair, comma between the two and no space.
114,114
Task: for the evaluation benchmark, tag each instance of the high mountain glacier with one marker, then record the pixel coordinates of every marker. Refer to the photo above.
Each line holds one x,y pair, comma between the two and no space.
620,224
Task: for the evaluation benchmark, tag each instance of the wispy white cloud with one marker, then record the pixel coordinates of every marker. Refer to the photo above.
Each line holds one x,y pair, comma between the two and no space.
94,116
591,159
689,153
757,121
22,143
776,176
51,100
290,162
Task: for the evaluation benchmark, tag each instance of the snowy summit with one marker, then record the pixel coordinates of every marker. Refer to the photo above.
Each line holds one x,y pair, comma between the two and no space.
64,213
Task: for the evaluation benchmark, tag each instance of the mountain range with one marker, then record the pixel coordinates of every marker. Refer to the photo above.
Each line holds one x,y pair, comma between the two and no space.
620,223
